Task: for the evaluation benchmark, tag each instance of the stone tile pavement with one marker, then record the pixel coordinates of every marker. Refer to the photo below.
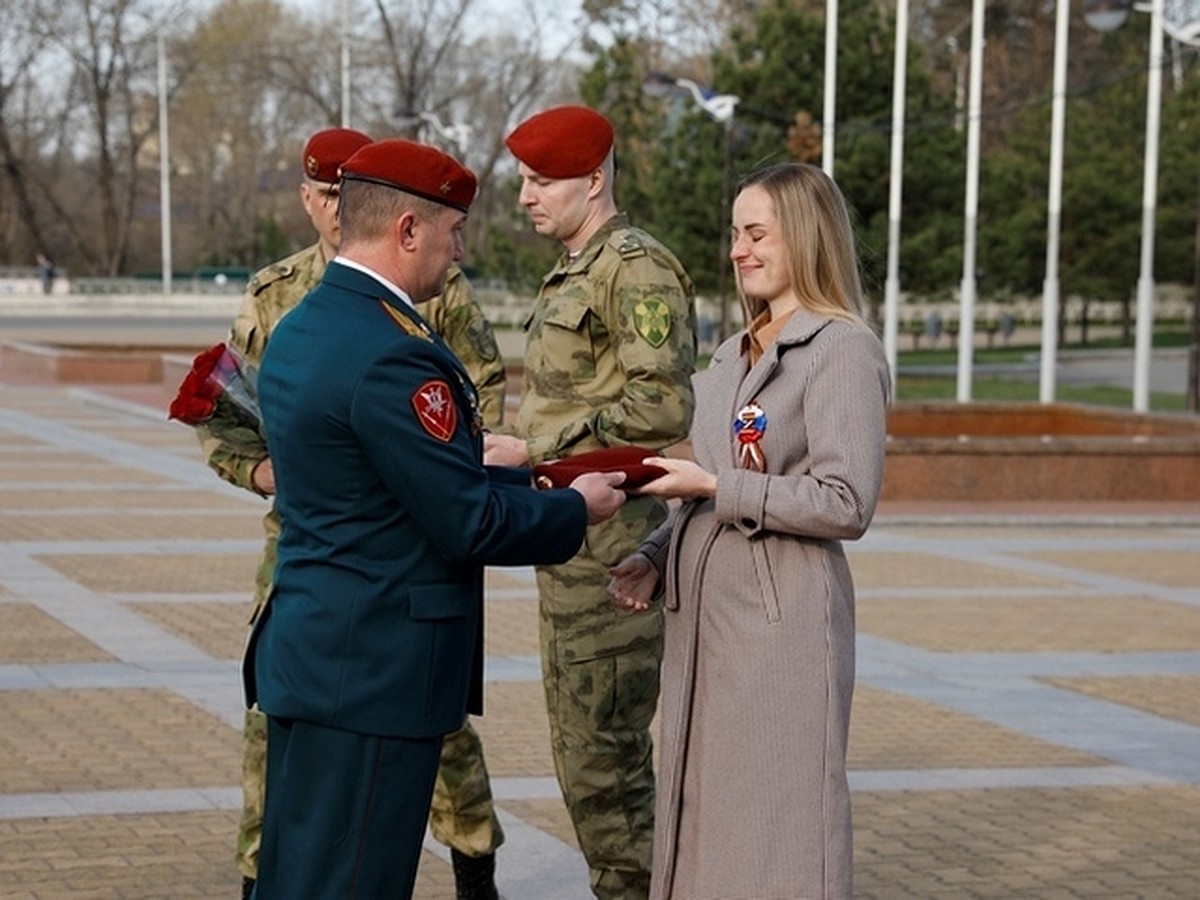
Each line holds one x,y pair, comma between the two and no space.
1027,720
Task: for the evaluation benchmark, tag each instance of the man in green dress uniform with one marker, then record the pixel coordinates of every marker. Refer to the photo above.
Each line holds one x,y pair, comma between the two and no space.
462,816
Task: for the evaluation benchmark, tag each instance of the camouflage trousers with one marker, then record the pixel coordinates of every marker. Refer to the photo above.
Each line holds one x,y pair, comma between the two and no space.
461,815
600,670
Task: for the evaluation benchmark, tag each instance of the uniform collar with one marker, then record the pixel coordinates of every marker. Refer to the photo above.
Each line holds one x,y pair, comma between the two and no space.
568,264
367,270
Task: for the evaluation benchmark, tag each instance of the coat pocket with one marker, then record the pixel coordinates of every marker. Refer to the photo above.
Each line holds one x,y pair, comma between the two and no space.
439,649
765,577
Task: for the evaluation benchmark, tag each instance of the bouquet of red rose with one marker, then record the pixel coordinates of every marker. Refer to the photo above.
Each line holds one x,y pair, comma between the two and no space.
220,391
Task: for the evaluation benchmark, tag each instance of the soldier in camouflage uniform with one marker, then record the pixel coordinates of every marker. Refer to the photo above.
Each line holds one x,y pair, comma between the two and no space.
610,350
462,816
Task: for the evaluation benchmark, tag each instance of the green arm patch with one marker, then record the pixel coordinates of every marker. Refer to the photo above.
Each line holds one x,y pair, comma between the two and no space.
652,319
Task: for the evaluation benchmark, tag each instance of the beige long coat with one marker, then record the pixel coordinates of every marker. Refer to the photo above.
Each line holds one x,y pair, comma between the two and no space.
758,670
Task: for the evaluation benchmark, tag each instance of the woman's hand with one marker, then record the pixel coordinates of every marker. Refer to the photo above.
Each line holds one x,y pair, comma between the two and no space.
681,478
633,582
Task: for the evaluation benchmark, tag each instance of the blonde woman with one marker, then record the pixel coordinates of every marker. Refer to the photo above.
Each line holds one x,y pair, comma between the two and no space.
758,670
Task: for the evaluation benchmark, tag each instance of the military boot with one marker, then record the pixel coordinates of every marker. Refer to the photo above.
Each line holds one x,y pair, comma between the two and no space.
474,876
247,887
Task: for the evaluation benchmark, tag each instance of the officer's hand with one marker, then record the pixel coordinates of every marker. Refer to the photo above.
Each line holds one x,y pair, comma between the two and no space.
263,476
601,494
633,582
505,450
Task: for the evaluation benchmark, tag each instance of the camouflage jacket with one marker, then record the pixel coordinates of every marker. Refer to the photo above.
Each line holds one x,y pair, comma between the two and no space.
273,291
610,348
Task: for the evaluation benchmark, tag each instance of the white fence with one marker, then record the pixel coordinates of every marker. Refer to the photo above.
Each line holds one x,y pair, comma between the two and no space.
21,293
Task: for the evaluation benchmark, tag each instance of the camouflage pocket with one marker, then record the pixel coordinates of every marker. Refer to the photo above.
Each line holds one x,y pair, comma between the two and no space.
566,340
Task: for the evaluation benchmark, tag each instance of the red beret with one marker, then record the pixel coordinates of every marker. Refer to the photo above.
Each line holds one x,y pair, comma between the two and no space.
416,169
327,150
563,142
561,472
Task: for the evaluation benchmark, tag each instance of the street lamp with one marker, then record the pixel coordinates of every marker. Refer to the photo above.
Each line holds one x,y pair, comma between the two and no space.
1050,287
829,113
1143,336
720,107
1106,15
966,318
891,291
345,63
164,165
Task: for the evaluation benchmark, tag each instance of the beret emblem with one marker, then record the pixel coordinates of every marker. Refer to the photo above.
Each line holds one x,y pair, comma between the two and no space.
419,169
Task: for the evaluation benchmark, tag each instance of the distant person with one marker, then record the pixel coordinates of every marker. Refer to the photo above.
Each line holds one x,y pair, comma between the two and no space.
758,671
610,344
46,273
371,648
463,816
933,327
1008,325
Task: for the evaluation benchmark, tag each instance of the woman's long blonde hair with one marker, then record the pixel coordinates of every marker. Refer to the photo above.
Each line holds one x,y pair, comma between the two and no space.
816,227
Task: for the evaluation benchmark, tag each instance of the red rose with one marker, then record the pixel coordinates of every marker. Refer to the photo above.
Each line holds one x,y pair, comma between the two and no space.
218,375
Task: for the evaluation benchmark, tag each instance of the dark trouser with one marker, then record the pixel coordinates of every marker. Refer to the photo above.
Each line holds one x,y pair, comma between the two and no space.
345,813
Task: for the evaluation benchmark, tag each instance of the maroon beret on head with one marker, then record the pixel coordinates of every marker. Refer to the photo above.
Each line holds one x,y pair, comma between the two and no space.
416,169
327,150
562,142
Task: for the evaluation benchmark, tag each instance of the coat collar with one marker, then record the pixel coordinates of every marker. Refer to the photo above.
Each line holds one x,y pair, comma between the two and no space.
359,280
355,281
801,328
342,276
736,386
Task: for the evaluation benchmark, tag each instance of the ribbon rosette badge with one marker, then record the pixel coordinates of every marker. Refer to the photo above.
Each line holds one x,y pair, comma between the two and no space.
750,426
221,384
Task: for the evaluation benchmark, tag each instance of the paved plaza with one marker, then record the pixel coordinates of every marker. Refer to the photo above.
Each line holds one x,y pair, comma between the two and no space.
1026,723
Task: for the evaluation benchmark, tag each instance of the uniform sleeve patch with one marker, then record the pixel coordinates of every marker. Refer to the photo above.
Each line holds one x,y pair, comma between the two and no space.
652,319
435,409
483,341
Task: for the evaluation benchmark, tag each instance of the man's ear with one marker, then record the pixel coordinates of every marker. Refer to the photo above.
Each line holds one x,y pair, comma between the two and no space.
596,182
405,230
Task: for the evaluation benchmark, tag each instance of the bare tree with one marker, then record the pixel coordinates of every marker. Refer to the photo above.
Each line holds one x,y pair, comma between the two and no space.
450,62
20,49
247,101
108,48
423,41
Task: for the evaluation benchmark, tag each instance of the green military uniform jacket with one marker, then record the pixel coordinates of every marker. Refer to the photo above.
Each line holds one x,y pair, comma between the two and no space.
610,350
